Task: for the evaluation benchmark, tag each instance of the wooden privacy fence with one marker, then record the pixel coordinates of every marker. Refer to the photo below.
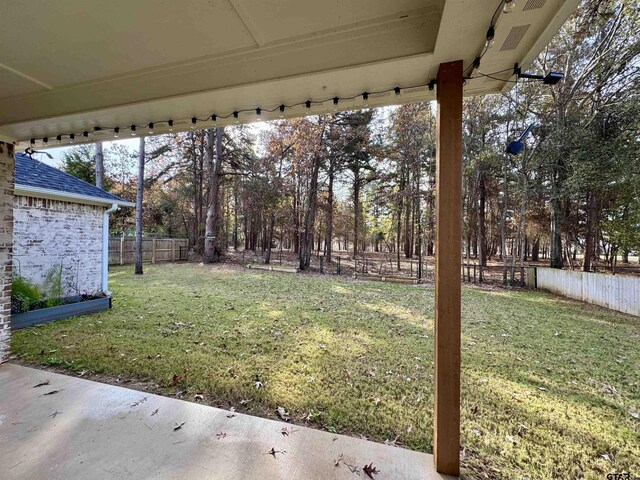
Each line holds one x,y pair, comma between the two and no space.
617,292
122,250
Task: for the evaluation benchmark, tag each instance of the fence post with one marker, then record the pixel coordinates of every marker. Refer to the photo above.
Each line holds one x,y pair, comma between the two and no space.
173,250
122,249
153,250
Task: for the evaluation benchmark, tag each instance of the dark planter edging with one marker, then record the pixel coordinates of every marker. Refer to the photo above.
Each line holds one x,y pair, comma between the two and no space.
46,315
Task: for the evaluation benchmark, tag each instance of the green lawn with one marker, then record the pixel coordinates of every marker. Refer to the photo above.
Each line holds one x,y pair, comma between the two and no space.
548,385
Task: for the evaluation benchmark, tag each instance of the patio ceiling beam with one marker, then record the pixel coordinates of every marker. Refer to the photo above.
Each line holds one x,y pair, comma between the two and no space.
446,438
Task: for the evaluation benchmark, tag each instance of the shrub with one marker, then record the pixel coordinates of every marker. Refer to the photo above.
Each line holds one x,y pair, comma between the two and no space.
25,294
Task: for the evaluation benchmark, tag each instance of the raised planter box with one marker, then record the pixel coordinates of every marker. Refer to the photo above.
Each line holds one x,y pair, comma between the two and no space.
46,315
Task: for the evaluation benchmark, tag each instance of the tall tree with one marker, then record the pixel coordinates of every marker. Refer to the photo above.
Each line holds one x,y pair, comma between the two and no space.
139,195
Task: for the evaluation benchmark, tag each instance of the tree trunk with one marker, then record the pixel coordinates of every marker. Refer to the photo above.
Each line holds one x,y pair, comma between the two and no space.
212,249
329,238
589,235
356,212
99,159
139,193
556,260
309,217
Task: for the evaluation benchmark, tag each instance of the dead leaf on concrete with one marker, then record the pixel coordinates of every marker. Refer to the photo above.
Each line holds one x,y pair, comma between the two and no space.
178,426
52,392
221,435
138,402
155,411
273,452
370,470
286,431
55,414
41,384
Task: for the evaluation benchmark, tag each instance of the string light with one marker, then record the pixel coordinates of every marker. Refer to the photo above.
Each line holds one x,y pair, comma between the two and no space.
491,33
509,5
59,139
236,114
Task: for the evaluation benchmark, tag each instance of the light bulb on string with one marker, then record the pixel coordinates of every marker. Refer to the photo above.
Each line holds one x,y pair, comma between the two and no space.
59,139
281,111
85,135
365,99
194,120
307,104
116,132
509,5
336,100
258,112
133,130
170,122
491,33
45,140
214,119
72,138
150,128
397,91
236,117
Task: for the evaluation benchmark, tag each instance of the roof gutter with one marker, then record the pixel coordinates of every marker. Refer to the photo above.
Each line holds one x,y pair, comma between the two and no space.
39,192
105,248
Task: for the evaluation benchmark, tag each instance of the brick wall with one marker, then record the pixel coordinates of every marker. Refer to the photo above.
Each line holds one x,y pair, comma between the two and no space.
6,242
48,233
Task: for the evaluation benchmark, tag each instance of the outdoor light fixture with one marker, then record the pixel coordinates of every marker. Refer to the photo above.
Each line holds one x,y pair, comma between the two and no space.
308,104
85,134
194,120
214,118
133,130
258,111
236,118
551,78
397,90
45,140
72,137
365,99
150,128
516,146
116,132
491,33
281,110
59,138
170,122
335,104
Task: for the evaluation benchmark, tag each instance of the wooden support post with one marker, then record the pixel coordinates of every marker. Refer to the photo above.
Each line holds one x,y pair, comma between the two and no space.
153,250
446,435
173,250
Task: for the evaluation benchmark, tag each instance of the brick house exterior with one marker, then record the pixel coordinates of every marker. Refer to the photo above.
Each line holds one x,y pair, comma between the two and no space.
50,219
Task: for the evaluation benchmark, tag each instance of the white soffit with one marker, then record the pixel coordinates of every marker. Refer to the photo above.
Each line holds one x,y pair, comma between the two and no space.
67,67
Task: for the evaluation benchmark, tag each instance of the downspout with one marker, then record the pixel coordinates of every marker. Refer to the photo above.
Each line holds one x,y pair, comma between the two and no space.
105,249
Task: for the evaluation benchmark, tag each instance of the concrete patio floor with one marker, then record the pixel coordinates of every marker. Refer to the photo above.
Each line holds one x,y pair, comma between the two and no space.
98,431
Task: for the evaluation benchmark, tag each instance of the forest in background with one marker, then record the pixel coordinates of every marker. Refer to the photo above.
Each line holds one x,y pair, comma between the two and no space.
364,181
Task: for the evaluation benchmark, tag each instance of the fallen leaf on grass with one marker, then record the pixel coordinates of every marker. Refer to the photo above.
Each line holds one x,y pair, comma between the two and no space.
635,415
52,392
41,384
607,457
283,414
370,470
178,426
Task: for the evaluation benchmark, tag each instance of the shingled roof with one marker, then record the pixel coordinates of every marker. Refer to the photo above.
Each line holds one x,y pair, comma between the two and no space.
33,177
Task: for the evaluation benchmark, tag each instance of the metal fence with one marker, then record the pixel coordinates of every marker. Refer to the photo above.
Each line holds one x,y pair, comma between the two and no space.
122,250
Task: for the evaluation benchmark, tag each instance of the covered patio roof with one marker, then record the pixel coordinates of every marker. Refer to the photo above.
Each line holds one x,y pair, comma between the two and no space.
68,68
86,67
